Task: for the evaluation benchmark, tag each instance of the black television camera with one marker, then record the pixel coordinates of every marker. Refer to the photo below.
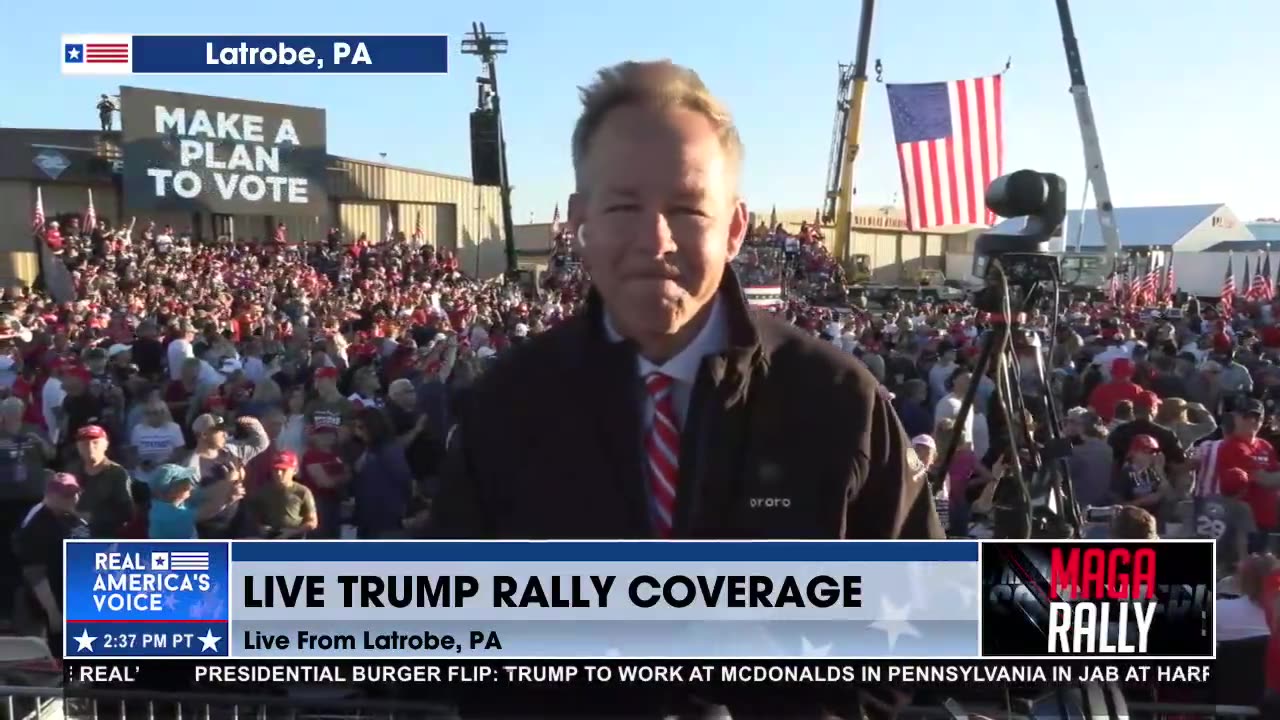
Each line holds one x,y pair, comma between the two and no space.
1023,255
1035,497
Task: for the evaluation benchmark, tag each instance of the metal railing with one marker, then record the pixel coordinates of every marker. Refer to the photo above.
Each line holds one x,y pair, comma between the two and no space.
52,703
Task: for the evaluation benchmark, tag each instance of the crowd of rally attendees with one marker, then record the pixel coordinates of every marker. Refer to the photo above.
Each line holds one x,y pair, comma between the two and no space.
278,389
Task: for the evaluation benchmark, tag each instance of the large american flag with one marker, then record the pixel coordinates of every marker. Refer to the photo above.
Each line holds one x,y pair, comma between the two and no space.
950,140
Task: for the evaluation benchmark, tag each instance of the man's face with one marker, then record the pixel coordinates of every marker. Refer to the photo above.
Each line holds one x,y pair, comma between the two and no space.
1073,427
404,397
92,451
216,438
1248,423
661,214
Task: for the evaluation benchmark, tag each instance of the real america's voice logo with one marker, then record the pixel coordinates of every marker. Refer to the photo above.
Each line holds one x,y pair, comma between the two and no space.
1095,599
139,582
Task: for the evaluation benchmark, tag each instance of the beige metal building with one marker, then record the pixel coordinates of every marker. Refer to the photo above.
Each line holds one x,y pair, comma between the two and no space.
894,253
66,165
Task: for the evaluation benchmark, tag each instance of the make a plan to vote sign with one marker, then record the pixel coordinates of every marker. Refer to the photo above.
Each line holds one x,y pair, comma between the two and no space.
146,599
194,153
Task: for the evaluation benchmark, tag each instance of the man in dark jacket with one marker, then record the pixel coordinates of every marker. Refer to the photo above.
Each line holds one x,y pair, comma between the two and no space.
667,408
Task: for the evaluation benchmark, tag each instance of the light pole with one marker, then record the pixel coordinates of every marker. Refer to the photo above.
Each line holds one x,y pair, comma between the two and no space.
488,46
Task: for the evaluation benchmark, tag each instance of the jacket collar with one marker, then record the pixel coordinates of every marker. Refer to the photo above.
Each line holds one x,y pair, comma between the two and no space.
733,366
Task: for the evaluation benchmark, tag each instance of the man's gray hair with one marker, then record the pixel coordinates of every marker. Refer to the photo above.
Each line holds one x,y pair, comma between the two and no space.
659,84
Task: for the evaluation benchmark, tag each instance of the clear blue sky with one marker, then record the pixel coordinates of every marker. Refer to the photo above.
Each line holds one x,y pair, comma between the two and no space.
1182,90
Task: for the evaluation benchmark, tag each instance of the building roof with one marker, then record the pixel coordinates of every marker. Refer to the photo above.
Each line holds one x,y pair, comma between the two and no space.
1138,226
1267,230
1240,246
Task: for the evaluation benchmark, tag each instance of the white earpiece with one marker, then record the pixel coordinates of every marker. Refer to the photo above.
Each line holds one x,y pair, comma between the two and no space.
582,234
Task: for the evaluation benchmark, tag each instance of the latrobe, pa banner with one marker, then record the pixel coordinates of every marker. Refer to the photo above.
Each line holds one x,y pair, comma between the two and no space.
499,600
194,153
341,54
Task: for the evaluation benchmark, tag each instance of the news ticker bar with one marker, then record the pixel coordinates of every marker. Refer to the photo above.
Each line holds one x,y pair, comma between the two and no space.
452,677
125,54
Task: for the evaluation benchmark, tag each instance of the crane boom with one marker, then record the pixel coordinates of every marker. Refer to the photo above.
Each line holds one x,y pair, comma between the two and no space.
839,132
1094,169
852,136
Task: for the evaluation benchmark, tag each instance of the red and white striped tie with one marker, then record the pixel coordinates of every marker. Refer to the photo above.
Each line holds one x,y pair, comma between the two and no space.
662,448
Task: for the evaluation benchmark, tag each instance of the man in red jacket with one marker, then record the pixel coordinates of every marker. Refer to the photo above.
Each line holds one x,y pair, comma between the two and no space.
1105,397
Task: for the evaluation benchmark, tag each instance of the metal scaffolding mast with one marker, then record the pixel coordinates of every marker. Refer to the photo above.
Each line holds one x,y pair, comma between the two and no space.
488,46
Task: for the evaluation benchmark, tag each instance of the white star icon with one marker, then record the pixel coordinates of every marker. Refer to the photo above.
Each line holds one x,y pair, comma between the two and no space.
84,641
73,53
209,641
808,649
893,621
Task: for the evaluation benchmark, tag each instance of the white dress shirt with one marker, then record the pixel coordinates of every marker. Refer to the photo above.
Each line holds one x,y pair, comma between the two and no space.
712,339
178,352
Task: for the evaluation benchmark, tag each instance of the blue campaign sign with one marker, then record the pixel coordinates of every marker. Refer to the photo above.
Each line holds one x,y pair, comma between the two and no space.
146,599
291,54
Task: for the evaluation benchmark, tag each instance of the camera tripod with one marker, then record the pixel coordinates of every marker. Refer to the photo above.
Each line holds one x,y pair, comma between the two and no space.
1034,496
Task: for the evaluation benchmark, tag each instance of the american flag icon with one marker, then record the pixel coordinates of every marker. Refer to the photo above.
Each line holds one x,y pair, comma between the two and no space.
97,54
184,561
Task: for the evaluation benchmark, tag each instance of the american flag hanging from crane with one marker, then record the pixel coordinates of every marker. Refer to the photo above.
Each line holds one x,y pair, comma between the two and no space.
950,140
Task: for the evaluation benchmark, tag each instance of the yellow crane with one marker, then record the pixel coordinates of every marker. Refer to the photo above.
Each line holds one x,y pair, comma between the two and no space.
851,93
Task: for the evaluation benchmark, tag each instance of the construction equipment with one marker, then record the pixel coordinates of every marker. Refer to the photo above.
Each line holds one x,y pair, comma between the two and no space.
839,131
1095,172
859,270
851,93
